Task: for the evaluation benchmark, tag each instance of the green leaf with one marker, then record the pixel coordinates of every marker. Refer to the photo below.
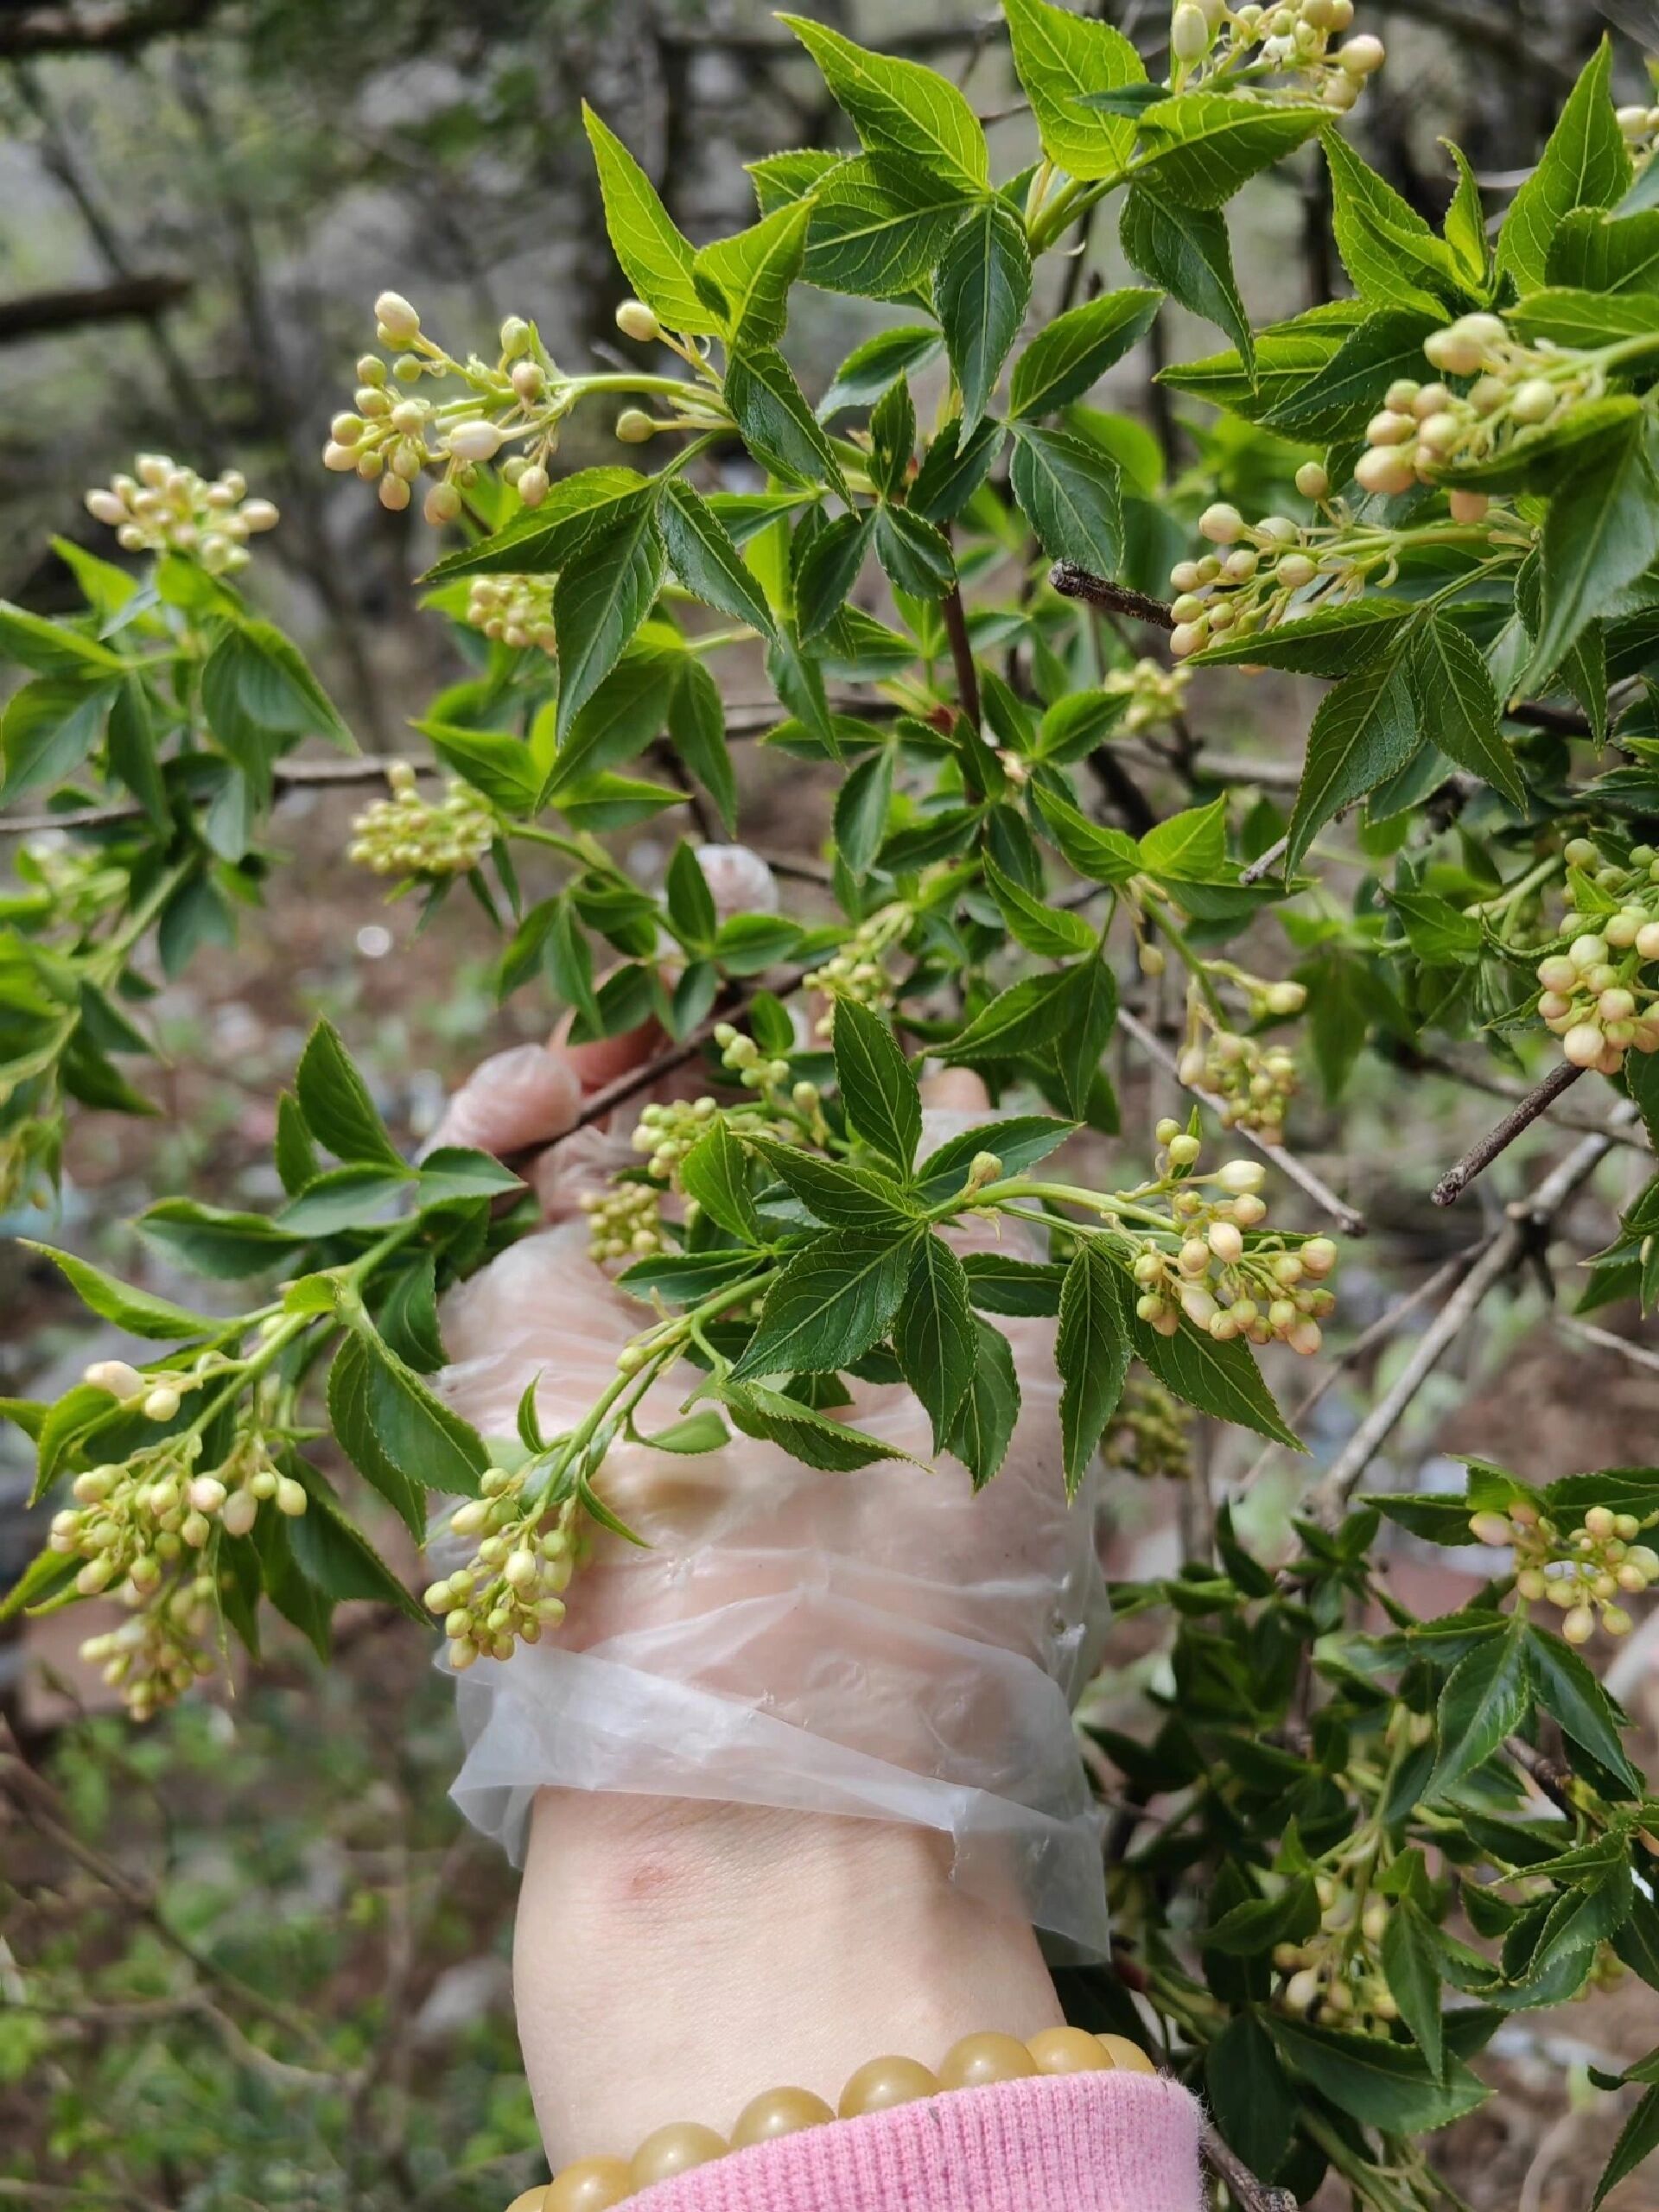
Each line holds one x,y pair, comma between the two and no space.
1567,316
458,1173
1022,1019
1062,58
254,668
830,1303
544,538
707,561
54,648
748,277
408,1317
715,1173
981,290
352,1419
1187,252
841,1196
1089,1017
934,1334
1019,1141
1485,1697
131,1309
655,258
690,902
335,1101
777,424
1636,2143
698,1431
627,710
1456,698
697,721
1092,1355
915,554
334,1555
130,738
830,564
1222,1380
1254,2105
1076,348
991,1406
213,1241
345,1197
1049,932
902,111
877,1083
1411,1963
1388,250
861,810
1572,1694
1068,491
1585,163
1201,146
1189,847
951,471
1336,398
1378,2083
1336,641
417,1433
48,729
1363,732
872,368
1104,855
599,601
811,1437
1465,224
1601,531
877,231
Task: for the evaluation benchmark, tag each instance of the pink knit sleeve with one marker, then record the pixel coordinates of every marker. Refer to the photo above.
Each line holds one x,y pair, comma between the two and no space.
1114,2142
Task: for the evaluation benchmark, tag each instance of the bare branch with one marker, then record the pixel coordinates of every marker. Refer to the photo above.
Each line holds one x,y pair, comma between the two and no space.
1351,1222
1479,1157
1073,582
37,314
1265,864
70,29
961,654
1638,1354
1528,1220
1498,1086
1249,2194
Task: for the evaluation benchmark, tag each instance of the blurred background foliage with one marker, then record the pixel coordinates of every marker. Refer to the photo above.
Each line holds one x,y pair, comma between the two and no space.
198,200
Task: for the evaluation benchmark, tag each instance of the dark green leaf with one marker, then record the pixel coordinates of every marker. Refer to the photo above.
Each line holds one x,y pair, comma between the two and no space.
832,1301
133,1310
1092,1355
599,601
707,561
1486,1696
1076,348
991,1406
1585,164
981,290
1061,59
335,1102
1068,491
716,1173
1363,731
877,1084
1187,252
655,258
934,1334
1411,1962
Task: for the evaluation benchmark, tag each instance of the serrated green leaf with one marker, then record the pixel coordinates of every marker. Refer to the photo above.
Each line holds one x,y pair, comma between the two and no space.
991,1406
777,424
934,1334
335,1101
1456,698
830,1303
902,111
981,290
1486,1695
1585,163
707,561
1092,1355
1380,2084
715,1173
1076,348
599,601
747,278
1068,491
657,259
1022,1019
1062,58
878,1086
1411,1964
1388,250
1363,732
133,1310
1201,146
1188,253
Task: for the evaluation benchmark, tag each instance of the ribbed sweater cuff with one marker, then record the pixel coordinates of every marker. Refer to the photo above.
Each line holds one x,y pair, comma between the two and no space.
1114,2142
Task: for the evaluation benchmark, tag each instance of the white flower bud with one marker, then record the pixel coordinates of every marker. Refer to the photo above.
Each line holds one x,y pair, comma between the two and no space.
1535,402
1312,482
1318,1256
207,1493
1584,1044
1222,524
260,515
290,1496
241,1511
1579,1625
634,427
161,1403
1386,470
1469,506
394,493
1226,1242
396,319
116,1375
1362,55
635,319
1189,33
441,504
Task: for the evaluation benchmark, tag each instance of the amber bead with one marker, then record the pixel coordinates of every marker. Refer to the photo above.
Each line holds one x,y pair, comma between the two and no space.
1068,2051
590,2185
1126,2056
778,2112
883,2082
675,2150
978,2059
531,2201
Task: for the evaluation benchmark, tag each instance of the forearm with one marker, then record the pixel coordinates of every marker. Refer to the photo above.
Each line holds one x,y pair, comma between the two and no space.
673,1959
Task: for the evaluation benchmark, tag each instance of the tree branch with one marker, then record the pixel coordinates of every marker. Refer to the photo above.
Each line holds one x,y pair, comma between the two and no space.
1073,582
1479,1157
1351,1222
1249,2194
70,29
1527,1221
37,314
961,655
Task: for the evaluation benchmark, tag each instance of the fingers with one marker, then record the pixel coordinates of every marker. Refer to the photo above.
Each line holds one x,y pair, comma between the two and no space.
955,1090
604,1059
525,1096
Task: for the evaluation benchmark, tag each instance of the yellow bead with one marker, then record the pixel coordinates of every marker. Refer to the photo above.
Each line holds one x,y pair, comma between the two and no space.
531,2201
591,2185
1126,2056
884,2083
675,2150
978,2059
1068,2051
778,2112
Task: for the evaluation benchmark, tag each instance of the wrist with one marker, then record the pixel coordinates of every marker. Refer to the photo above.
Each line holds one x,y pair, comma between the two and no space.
674,1958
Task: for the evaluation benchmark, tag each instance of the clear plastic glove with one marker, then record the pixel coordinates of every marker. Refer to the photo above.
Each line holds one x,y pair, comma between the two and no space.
882,1644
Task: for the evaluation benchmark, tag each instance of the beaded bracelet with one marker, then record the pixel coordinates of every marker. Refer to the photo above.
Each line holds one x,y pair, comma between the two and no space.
595,2184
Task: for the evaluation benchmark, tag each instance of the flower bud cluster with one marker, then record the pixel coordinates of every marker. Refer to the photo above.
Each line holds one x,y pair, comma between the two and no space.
1581,1571
1333,1977
408,834
1151,1433
666,1132
1255,1082
392,432
1519,392
156,1653
1156,695
857,971
1210,40
1592,996
515,611
624,1223
1213,1276
1251,581
163,507
741,1056
512,1587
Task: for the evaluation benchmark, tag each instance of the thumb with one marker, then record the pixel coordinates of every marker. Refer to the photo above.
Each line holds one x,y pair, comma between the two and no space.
955,1090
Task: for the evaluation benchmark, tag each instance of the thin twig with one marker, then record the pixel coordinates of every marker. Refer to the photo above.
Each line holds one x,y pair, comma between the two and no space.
1444,1279
1479,1157
1249,2194
1073,582
1638,1354
1527,1221
1265,864
1496,1086
1351,1222
961,654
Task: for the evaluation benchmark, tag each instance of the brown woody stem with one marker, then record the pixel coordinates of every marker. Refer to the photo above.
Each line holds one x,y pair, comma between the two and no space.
1479,1157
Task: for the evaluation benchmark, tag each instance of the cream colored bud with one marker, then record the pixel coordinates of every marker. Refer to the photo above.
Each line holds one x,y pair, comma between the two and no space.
106,507
241,1511
290,1496
1469,506
207,1493
1189,33
1222,524
1318,1256
161,1403
441,504
396,319
1362,55
260,515
120,1379
1385,470
1312,482
340,458
635,319
634,427
532,485
477,439
394,493
1183,1150
1226,1242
